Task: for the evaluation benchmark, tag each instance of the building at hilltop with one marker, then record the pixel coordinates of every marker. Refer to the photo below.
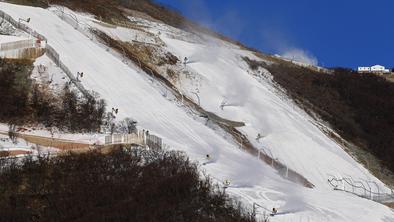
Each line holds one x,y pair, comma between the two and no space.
373,69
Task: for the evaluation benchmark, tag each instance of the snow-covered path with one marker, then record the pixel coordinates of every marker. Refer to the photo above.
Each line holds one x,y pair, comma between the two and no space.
131,91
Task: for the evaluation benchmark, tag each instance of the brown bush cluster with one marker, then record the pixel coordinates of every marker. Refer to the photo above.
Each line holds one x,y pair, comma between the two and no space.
124,185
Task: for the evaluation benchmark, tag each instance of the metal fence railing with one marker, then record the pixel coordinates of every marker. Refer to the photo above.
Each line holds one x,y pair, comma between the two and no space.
153,141
55,57
21,26
20,44
25,53
362,188
51,52
141,138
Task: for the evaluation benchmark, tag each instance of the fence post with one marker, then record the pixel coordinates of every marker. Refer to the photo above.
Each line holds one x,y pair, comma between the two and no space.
365,189
370,190
352,186
287,171
351,181
376,187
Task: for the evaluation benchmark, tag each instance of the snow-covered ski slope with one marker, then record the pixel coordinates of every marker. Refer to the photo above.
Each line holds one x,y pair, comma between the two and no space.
288,132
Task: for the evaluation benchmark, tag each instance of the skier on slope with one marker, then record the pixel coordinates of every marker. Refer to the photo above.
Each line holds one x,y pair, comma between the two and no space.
274,211
208,159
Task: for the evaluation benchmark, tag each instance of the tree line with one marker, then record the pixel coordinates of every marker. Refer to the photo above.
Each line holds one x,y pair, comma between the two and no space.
128,184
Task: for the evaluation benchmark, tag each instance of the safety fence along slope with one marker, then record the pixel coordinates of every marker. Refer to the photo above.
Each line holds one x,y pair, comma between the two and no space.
51,52
362,188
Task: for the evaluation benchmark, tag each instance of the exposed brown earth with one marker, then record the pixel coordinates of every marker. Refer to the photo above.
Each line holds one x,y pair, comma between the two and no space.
13,153
391,205
390,77
56,143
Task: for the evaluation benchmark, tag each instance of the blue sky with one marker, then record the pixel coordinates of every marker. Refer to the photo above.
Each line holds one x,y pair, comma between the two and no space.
345,33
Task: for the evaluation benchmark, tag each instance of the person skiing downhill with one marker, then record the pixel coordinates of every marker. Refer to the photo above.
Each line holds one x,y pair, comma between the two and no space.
274,211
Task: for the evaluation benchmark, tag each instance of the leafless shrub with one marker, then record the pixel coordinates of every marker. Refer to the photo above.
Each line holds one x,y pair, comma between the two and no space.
124,185
25,102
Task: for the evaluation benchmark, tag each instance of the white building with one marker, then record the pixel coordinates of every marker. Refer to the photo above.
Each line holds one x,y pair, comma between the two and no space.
364,69
379,68
374,69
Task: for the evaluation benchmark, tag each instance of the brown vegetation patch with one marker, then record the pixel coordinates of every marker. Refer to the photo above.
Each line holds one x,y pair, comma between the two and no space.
138,14
32,53
141,51
390,77
35,3
254,64
123,185
172,75
106,10
53,142
391,205
14,153
168,59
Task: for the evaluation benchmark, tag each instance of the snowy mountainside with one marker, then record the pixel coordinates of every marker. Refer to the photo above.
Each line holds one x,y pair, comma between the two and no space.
216,77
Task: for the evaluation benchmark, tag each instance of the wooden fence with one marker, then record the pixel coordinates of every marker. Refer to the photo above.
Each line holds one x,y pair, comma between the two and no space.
141,138
20,44
25,53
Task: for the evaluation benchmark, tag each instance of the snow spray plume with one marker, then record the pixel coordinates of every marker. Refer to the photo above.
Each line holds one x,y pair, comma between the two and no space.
300,55
278,41
229,23
294,200
249,173
237,93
